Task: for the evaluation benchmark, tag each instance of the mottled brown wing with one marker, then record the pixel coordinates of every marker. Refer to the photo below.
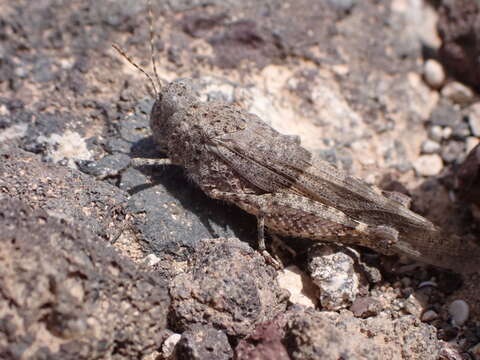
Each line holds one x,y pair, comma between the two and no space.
256,151
274,162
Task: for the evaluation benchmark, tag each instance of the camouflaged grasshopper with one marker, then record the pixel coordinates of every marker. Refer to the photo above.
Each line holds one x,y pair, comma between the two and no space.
232,155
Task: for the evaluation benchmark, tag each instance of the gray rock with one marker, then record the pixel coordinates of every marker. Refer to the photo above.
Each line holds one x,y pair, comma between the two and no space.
312,334
202,342
84,301
474,119
332,270
65,193
108,166
445,115
457,93
461,130
454,151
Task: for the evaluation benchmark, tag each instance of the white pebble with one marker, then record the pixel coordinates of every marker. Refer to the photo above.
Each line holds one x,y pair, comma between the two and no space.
299,285
434,73
430,147
151,260
447,132
435,133
458,93
428,165
169,345
459,311
429,315
4,110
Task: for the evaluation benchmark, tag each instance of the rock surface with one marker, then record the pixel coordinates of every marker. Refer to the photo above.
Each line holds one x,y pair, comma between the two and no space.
65,294
351,78
327,335
226,285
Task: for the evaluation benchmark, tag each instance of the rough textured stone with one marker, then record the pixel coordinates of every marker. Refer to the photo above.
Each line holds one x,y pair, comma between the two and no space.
459,31
264,343
326,335
228,286
203,342
62,192
332,270
84,300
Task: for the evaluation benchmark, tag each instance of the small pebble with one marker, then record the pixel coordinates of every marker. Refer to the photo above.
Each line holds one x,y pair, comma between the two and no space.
429,315
430,147
447,132
151,260
434,73
300,286
414,304
459,311
435,133
474,119
428,165
446,114
4,110
332,268
457,93
169,345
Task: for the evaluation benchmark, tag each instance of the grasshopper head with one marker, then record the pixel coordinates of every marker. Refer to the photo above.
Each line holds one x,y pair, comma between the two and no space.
173,98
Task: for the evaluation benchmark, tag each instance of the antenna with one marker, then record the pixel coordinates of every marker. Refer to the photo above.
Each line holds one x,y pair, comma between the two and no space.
121,52
152,33
130,60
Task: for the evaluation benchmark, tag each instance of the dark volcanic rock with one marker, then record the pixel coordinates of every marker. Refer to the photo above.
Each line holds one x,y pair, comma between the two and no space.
227,286
459,28
65,294
264,343
63,192
203,342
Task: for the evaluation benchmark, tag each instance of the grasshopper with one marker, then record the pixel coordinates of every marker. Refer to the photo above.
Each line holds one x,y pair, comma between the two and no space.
232,155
